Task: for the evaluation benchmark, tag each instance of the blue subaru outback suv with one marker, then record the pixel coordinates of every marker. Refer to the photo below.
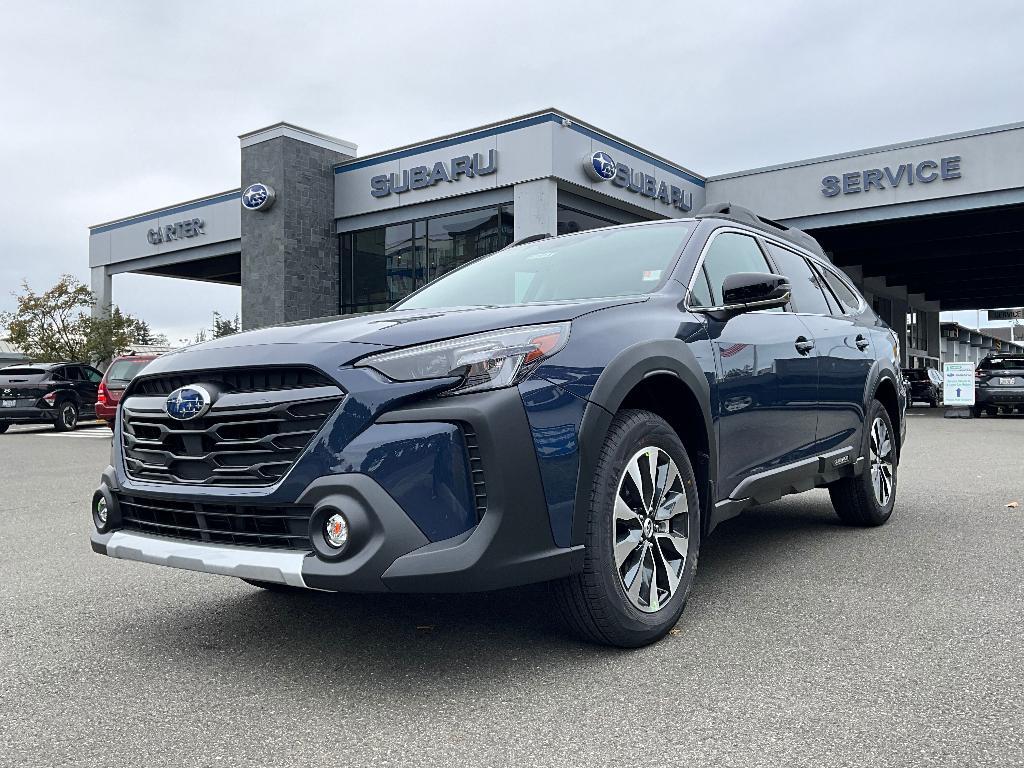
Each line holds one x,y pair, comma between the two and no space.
581,410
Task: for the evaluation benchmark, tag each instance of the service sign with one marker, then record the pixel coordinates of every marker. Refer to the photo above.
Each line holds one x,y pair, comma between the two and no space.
958,384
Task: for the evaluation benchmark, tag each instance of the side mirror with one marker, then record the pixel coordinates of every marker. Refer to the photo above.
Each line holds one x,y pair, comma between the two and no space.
747,291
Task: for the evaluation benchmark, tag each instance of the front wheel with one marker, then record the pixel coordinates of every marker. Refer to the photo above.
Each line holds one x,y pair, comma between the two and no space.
868,499
67,417
642,538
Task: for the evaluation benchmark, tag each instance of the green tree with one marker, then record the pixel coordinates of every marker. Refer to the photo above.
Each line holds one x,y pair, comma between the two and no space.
222,327
112,334
47,326
56,325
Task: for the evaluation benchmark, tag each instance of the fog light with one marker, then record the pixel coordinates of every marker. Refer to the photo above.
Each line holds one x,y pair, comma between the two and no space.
101,510
336,531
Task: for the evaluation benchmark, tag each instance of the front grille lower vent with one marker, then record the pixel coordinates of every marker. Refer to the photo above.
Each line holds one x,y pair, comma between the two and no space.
245,525
234,380
476,470
252,445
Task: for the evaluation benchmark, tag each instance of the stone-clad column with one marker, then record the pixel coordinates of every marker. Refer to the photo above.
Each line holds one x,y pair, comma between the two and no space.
289,249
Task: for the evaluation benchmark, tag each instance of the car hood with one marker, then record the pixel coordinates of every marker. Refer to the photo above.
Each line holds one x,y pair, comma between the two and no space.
344,339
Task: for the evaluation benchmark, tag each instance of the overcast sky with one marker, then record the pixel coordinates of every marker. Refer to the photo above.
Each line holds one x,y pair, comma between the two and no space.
111,109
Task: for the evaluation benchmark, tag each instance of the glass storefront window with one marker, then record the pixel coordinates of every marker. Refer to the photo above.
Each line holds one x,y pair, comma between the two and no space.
570,220
380,266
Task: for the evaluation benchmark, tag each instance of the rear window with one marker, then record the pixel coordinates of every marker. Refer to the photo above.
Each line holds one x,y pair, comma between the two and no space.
123,371
1002,363
22,371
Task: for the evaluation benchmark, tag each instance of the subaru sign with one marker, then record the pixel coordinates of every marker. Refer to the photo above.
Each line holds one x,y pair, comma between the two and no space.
422,176
258,197
189,402
600,166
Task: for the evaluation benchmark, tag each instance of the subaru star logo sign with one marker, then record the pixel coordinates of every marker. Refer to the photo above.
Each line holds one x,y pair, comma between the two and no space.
188,402
258,197
599,166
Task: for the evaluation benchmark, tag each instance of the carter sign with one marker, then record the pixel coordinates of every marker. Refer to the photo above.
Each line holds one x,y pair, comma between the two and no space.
176,231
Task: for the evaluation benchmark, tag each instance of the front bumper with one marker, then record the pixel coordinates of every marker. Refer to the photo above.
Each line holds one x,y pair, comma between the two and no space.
512,543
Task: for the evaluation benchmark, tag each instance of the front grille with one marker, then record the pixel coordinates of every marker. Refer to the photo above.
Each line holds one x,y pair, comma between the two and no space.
246,446
245,525
238,380
476,470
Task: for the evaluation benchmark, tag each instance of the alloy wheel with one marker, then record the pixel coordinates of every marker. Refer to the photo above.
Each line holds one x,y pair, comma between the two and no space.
650,529
881,461
68,417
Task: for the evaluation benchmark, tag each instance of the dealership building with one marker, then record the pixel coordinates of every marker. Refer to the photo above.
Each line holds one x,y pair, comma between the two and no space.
313,229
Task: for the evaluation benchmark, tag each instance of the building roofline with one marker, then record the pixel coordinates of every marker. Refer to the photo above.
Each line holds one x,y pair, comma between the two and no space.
870,151
509,123
293,131
166,209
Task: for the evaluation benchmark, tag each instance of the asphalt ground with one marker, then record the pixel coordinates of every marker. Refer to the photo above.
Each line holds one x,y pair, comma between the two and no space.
805,643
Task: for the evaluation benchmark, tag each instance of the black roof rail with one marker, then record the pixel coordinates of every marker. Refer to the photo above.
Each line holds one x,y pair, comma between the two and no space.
738,213
528,239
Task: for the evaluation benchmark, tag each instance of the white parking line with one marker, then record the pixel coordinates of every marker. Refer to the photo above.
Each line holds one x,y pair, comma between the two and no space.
90,432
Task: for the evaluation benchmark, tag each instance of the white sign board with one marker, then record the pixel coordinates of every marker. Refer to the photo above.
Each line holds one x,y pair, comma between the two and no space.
958,384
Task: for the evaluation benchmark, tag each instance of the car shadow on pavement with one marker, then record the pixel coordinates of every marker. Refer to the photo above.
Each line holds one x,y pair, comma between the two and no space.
405,638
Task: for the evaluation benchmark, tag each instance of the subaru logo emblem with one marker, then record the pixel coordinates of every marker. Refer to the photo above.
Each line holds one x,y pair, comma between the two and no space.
189,402
599,166
258,197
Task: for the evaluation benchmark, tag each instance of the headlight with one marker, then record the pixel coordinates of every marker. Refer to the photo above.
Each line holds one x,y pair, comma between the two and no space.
482,361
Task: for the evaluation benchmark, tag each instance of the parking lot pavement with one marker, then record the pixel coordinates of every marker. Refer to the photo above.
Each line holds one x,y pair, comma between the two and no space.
804,643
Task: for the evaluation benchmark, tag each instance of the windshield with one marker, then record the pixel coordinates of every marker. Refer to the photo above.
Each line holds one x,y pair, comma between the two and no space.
1002,363
123,371
621,261
916,375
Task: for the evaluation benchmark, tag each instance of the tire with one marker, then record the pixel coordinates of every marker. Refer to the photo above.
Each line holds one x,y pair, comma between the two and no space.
597,604
67,416
273,586
934,402
976,411
857,500
4,426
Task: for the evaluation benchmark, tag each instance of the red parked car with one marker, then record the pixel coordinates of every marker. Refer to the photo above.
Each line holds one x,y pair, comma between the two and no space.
120,372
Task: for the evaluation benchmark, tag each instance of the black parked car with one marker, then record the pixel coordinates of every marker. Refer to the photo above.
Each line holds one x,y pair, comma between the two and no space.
57,393
924,384
999,383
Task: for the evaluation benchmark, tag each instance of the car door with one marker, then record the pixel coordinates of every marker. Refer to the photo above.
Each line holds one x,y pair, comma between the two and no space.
91,386
844,350
78,382
767,376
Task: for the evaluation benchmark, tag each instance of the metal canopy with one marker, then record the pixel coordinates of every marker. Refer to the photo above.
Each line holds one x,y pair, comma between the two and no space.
965,260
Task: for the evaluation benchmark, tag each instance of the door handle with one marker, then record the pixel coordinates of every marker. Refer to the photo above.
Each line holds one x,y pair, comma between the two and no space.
803,346
862,343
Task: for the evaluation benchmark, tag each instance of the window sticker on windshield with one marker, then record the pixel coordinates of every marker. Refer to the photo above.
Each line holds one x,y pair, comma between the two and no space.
652,275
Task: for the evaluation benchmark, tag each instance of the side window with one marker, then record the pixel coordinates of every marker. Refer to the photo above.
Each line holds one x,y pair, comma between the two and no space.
74,373
700,294
807,292
843,292
59,374
728,254
93,375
